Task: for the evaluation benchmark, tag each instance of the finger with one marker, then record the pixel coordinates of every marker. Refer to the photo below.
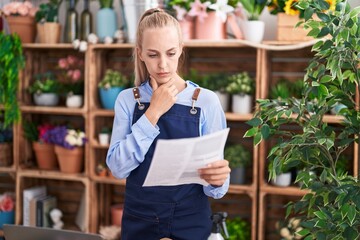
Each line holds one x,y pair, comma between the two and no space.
169,83
218,164
216,177
153,83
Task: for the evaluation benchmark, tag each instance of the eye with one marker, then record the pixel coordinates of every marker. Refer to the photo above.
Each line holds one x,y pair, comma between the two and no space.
172,54
152,55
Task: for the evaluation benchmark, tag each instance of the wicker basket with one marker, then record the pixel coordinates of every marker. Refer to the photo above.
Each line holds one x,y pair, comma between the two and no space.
6,154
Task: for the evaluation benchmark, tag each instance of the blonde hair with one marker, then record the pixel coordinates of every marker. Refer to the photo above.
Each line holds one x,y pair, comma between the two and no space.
152,18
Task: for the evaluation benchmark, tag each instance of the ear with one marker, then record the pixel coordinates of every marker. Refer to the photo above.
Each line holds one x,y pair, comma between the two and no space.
138,52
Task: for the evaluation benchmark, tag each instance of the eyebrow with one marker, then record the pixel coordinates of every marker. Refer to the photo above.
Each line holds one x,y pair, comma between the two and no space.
153,50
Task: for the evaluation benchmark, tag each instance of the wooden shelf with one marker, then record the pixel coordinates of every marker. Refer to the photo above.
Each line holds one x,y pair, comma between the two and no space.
109,180
53,110
290,191
94,143
241,189
103,113
11,169
47,46
238,117
57,175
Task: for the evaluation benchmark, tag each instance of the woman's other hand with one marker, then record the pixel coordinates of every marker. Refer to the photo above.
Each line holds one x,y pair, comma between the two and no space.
216,173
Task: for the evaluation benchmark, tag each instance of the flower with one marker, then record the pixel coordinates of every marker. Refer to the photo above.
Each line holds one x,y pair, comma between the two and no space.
67,138
199,8
7,202
289,7
71,74
19,9
222,8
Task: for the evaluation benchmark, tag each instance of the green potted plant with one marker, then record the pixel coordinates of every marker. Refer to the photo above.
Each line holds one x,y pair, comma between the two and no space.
216,82
242,88
110,86
252,28
48,26
11,62
331,209
45,89
281,90
239,158
238,229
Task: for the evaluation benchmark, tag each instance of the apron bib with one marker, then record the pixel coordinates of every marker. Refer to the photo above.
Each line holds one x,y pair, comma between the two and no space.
178,212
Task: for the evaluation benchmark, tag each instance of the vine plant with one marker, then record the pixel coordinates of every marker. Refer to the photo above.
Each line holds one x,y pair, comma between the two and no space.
331,207
11,61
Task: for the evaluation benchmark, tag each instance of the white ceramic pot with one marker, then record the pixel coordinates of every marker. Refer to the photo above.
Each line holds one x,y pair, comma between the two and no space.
74,101
224,100
282,180
46,99
104,138
253,30
242,104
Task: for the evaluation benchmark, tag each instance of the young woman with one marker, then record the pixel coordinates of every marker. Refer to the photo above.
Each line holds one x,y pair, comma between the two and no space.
161,107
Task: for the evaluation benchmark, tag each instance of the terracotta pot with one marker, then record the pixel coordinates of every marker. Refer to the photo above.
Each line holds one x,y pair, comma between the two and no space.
116,214
48,32
6,156
187,28
70,160
45,155
24,26
212,28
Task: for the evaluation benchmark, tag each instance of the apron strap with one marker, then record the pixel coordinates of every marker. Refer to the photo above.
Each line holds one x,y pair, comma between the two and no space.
194,99
136,93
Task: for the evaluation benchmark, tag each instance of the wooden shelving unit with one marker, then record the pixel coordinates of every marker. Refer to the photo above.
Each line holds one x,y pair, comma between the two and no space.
257,201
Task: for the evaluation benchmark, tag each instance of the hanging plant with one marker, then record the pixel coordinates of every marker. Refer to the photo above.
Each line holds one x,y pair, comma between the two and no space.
11,61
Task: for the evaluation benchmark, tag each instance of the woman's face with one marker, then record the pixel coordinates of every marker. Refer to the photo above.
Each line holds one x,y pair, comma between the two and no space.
160,52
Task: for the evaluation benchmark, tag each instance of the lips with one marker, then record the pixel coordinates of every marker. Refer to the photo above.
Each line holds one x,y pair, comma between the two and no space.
165,74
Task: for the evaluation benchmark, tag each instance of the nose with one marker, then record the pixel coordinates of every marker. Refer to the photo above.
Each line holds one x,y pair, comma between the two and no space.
162,62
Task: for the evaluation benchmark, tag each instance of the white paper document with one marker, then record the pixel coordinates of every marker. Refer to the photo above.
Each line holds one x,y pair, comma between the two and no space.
177,161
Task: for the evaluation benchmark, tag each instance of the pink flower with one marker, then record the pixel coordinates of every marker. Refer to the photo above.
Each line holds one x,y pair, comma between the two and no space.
198,9
63,64
180,13
23,10
76,75
28,4
71,59
6,203
70,73
19,8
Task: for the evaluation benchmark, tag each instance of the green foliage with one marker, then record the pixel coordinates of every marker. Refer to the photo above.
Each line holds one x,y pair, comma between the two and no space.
237,155
254,8
238,229
31,131
241,83
212,81
113,78
332,208
284,89
106,3
45,83
48,12
11,61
